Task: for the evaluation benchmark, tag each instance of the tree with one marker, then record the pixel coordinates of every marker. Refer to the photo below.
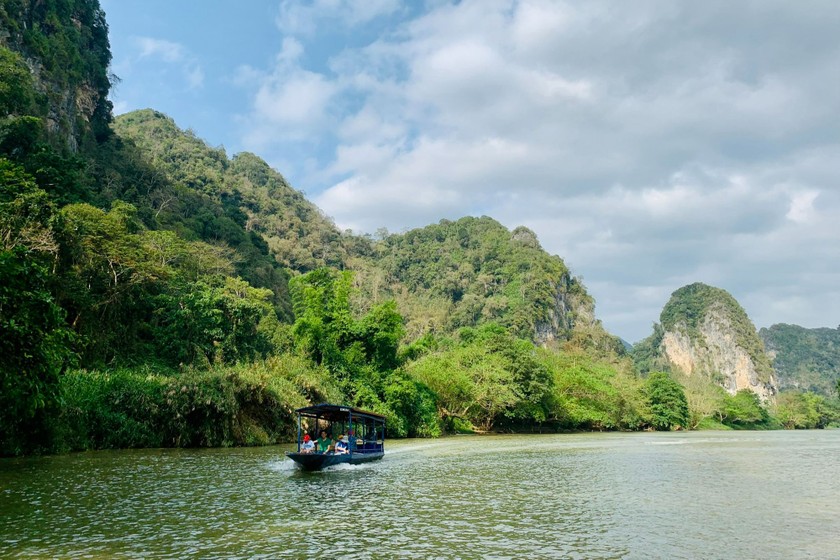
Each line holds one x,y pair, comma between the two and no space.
800,410
325,328
16,92
33,337
213,319
744,409
666,401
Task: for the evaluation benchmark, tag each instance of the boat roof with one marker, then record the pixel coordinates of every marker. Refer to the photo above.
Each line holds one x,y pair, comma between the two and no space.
336,411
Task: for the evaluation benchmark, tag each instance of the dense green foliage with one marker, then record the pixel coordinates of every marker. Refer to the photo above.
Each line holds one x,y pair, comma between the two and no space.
474,271
804,359
797,410
647,354
744,410
486,378
255,198
220,406
35,342
154,292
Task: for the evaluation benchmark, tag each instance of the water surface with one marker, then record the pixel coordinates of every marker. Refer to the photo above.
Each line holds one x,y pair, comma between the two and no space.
662,495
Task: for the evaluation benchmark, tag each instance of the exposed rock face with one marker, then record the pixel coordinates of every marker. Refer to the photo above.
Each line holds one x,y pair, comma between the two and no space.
718,355
560,320
571,319
706,332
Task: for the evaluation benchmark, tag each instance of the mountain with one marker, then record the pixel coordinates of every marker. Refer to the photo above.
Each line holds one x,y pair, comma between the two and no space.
804,359
157,291
474,271
704,331
444,276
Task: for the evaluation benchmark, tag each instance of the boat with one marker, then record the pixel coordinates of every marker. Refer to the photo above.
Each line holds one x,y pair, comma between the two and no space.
365,434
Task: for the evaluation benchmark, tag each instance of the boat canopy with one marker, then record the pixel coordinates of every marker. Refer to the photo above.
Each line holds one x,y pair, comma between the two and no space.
337,413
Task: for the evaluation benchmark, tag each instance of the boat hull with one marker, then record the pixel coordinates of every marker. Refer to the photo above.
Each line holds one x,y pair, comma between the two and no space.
318,461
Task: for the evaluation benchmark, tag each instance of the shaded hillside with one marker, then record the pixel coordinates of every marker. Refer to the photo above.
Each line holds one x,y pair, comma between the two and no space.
804,359
297,233
704,331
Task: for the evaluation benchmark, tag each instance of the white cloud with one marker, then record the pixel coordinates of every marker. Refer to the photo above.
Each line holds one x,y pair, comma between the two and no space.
174,54
289,102
303,18
802,206
161,48
650,144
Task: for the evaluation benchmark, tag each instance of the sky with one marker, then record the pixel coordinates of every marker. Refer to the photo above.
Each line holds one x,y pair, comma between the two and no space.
650,144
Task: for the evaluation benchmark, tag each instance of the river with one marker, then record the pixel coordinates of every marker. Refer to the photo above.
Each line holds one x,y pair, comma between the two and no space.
647,495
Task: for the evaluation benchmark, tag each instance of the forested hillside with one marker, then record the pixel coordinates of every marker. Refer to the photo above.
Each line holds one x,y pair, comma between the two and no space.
156,292
259,198
804,359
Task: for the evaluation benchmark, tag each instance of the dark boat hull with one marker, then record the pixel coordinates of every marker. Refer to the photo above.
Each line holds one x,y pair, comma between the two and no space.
318,461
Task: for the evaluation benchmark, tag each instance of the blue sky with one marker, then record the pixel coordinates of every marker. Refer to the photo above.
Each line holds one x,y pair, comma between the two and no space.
650,144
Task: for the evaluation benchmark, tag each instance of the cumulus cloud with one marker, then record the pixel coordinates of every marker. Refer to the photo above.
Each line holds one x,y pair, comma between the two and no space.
651,144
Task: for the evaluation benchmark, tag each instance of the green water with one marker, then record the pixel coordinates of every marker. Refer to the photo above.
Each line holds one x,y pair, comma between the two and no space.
695,495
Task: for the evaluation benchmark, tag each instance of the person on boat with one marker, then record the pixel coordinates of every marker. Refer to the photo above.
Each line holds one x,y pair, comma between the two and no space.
341,447
308,446
324,442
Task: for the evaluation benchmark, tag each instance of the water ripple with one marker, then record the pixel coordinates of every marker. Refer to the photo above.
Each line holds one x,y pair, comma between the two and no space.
695,495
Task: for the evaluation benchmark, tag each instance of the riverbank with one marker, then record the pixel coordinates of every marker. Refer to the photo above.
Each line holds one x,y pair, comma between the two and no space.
148,407
253,405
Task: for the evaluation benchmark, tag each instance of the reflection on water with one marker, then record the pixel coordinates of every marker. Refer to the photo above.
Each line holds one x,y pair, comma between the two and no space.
694,495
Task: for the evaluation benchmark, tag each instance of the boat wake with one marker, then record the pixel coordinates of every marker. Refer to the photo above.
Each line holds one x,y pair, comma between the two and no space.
282,465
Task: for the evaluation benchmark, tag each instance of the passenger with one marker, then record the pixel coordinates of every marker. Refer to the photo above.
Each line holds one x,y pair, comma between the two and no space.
324,442
341,445
308,446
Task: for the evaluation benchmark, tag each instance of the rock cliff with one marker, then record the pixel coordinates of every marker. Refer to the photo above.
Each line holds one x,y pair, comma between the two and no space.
64,43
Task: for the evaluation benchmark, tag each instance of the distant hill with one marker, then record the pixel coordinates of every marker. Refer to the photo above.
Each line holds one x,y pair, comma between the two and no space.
804,359
704,331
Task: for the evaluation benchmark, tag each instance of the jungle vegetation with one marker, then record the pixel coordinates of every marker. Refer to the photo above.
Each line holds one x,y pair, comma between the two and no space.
156,292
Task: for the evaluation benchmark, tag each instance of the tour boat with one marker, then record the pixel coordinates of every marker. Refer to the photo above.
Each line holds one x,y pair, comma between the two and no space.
364,433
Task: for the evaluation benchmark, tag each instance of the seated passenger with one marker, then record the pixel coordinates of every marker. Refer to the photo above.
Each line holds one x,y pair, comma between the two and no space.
308,446
324,442
355,442
341,447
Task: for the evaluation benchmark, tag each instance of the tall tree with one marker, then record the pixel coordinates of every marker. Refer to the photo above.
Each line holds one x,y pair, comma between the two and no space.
667,402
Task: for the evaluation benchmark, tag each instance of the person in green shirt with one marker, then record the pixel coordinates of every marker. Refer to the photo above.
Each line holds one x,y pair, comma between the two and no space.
324,442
